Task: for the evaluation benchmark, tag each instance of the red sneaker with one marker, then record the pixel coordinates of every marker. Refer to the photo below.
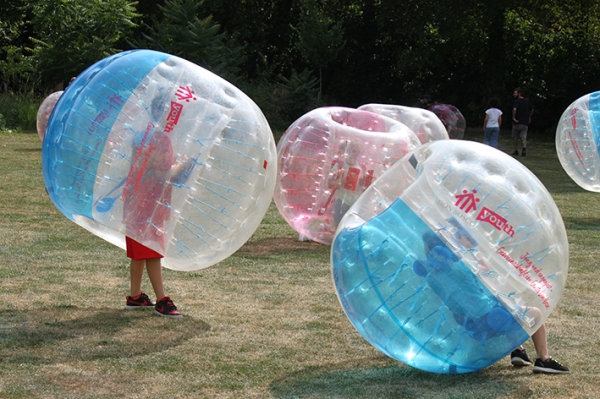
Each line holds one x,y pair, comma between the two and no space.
142,301
166,307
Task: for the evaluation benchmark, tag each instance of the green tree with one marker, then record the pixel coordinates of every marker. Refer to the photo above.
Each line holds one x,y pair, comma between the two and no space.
555,53
16,71
295,96
263,28
181,32
70,35
320,38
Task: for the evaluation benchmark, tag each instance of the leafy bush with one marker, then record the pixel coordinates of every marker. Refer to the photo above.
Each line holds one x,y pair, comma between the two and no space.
19,111
285,101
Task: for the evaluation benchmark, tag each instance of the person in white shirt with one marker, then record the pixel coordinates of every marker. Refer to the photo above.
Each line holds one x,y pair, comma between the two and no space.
492,123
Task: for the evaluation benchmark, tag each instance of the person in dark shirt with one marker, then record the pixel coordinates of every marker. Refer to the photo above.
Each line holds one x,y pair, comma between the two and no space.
521,116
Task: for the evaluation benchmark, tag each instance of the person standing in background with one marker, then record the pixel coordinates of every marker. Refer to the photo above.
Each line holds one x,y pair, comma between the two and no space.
521,116
492,123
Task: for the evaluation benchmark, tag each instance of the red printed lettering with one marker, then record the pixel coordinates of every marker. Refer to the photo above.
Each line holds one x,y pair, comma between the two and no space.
500,223
576,148
173,116
539,286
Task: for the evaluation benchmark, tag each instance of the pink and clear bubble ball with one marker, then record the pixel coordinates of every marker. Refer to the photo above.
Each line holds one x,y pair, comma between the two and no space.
426,125
44,112
452,119
327,158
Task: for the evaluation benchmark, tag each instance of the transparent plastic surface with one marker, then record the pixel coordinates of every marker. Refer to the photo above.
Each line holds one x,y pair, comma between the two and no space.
425,124
578,141
452,258
151,146
452,119
44,112
327,158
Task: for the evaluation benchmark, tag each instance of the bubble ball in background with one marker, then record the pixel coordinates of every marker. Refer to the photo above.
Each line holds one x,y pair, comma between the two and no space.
149,145
452,119
44,111
426,125
452,258
326,160
578,141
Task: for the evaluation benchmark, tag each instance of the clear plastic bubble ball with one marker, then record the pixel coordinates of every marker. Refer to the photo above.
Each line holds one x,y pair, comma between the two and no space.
326,160
426,125
149,145
44,112
578,141
452,258
452,119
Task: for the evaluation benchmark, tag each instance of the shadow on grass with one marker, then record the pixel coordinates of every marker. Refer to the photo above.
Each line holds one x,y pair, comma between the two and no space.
57,335
287,245
28,149
572,223
364,378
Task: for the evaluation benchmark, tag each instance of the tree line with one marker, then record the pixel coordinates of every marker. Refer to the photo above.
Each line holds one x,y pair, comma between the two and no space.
291,56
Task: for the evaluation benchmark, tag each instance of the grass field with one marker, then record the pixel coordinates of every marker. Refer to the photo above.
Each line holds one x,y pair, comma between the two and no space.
265,323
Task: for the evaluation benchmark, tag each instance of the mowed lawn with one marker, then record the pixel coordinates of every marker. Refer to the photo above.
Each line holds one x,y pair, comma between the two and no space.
264,323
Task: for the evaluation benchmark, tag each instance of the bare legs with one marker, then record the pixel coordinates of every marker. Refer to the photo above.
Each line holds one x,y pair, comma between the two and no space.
540,342
154,270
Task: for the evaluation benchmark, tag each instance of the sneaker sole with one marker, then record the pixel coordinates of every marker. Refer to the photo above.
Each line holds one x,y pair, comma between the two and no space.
518,362
543,370
174,316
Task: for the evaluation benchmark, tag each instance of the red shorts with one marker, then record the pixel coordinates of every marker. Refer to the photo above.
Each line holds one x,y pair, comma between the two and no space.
137,251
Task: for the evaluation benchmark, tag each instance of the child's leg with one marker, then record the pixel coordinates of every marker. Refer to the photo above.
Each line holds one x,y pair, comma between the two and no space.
540,342
136,271
154,270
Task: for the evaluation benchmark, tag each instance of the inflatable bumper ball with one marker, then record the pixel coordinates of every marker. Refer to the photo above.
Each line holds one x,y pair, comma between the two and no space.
452,119
452,258
327,158
578,141
425,124
148,145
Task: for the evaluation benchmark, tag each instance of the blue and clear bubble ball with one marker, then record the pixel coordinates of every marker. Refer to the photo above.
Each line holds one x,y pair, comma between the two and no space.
452,258
151,146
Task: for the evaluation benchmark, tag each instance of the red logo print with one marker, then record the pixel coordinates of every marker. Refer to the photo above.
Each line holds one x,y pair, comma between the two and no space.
185,93
469,201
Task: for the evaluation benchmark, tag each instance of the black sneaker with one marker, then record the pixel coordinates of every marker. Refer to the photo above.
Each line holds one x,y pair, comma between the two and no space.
549,366
515,153
519,358
139,303
523,153
165,307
